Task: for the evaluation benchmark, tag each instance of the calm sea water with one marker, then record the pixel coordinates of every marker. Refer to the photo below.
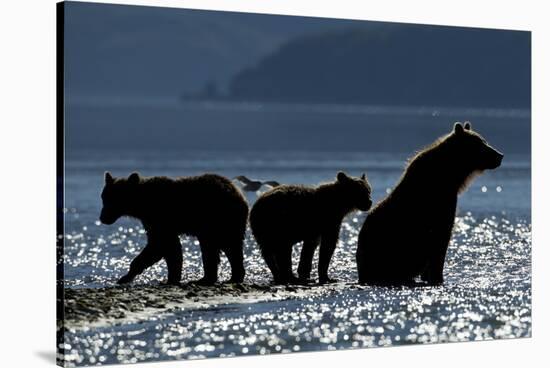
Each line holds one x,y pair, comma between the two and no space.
487,293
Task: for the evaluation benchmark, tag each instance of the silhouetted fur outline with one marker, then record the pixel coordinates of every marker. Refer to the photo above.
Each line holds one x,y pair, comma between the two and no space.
208,206
288,214
407,234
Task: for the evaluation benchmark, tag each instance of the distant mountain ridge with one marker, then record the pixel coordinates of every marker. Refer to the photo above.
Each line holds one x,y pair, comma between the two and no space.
149,52
395,64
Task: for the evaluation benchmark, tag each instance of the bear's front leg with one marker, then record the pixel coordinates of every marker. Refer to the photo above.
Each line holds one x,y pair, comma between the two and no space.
306,259
432,276
234,253
210,260
149,256
174,259
437,250
126,279
433,273
328,245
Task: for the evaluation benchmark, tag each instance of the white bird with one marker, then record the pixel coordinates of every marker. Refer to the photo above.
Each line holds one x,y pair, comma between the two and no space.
254,185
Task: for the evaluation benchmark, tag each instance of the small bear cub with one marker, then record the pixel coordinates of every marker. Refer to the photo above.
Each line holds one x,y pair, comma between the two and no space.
288,214
207,206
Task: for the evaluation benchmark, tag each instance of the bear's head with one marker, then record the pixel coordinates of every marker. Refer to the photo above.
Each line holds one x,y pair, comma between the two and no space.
357,190
473,153
118,197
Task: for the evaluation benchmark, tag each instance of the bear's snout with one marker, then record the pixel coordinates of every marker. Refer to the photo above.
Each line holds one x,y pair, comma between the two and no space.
497,160
366,207
106,219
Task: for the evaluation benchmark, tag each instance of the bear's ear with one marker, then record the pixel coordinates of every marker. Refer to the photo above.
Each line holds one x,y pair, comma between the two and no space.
364,177
458,128
342,177
133,178
467,125
109,178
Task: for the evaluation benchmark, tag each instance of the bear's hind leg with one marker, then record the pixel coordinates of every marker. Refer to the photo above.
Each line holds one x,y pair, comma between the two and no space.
271,262
174,260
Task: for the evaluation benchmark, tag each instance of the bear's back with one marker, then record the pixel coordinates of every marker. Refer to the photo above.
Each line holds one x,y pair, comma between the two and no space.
288,211
209,192
194,203
285,198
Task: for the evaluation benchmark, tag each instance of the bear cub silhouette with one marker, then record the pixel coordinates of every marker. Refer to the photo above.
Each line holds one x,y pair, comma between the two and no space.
288,214
406,235
208,206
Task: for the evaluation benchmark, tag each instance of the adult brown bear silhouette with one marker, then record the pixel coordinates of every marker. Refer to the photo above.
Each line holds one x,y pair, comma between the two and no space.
406,234
288,214
208,206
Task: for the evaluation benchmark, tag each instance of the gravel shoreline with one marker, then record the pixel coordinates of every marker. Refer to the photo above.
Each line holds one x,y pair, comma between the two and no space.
88,307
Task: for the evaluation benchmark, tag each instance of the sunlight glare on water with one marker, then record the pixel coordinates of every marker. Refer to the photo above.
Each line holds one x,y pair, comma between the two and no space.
486,294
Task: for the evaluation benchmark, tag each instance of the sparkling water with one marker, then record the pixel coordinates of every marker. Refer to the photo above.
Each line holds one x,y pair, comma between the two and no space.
486,295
